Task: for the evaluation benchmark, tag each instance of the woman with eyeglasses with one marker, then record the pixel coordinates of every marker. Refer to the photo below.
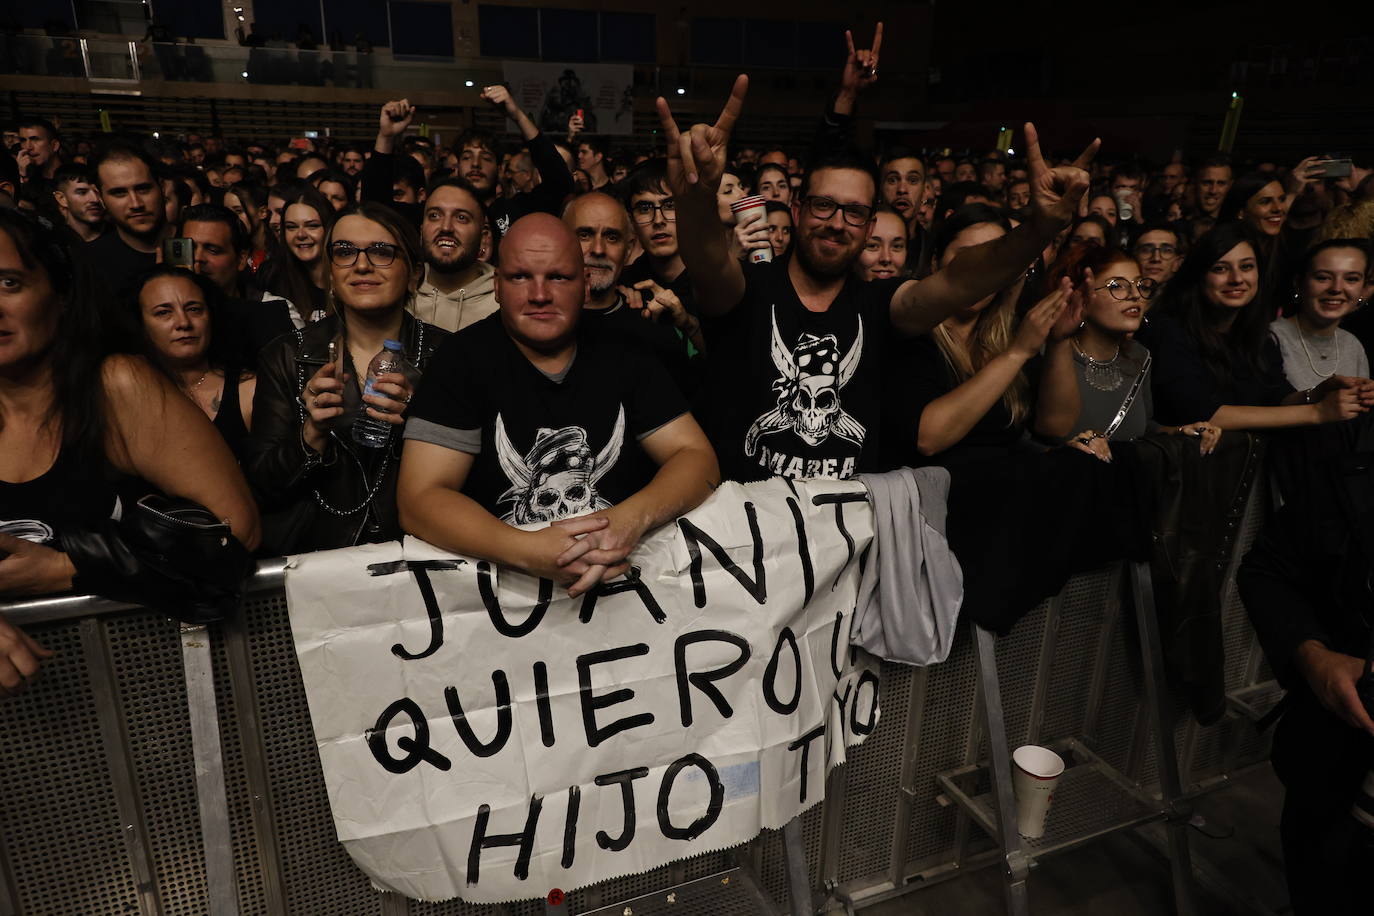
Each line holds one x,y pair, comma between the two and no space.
319,489
1112,368
1328,288
1214,353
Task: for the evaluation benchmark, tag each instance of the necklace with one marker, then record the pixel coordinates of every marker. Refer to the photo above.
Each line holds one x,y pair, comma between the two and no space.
1302,339
1104,375
194,388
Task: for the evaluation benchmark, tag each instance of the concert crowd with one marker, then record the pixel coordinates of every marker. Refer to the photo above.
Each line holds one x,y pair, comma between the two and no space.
536,349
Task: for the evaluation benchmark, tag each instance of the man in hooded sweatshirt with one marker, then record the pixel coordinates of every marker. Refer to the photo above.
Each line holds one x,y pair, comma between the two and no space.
457,288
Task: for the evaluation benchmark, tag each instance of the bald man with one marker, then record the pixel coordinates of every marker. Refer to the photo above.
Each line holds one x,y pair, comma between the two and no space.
541,441
648,315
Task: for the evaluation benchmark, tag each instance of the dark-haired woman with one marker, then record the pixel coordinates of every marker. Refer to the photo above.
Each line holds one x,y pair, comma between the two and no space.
1259,201
299,273
249,203
78,433
966,382
318,488
178,320
1214,356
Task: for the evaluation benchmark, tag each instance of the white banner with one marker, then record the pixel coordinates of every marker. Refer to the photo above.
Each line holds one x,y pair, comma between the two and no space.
552,93
484,736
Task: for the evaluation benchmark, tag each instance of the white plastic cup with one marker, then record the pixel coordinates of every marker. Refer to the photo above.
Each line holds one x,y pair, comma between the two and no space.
748,210
1124,210
1035,771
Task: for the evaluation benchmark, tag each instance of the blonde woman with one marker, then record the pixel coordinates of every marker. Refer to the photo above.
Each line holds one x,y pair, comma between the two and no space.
967,381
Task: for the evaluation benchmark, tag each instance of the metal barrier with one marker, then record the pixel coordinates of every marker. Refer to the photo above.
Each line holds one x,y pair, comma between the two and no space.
101,812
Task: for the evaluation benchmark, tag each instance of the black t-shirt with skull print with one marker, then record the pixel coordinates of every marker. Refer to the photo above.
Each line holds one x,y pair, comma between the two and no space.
796,393
546,447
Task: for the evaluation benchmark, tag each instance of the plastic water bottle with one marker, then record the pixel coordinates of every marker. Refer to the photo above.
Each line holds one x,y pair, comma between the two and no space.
368,431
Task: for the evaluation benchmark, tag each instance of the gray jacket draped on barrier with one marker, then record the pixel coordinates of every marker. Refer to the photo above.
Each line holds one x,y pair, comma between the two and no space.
911,587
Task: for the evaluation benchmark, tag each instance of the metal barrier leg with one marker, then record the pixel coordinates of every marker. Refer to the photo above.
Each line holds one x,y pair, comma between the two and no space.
798,876
1014,859
115,739
213,801
1157,697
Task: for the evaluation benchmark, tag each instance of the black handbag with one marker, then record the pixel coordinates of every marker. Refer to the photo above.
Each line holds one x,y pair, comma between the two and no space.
169,554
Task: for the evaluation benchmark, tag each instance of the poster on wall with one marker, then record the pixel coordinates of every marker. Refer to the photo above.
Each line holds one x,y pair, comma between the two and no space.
485,737
552,93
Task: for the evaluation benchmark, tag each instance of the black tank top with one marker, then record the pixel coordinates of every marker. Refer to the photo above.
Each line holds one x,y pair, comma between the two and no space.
68,495
229,417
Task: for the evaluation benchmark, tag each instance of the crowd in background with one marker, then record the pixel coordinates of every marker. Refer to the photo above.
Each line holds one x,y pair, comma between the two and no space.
593,338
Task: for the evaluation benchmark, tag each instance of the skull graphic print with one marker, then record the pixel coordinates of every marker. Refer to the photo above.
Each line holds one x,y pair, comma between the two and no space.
557,477
811,376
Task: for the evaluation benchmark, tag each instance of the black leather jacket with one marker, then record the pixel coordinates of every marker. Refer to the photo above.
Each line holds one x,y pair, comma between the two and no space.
345,496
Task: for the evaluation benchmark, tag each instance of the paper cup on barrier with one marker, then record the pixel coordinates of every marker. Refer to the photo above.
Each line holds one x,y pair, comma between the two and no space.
1035,771
747,210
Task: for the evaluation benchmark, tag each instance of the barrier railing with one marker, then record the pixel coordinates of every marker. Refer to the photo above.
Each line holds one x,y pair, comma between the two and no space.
106,808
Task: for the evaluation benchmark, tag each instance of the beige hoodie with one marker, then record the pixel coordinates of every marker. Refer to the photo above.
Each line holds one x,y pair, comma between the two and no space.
460,308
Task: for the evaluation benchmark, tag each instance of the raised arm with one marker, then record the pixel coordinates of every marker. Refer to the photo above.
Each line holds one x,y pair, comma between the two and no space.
860,71
379,170
982,270
499,96
696,161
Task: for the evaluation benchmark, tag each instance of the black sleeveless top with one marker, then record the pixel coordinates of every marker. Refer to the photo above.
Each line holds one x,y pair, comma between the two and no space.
69,495
229,417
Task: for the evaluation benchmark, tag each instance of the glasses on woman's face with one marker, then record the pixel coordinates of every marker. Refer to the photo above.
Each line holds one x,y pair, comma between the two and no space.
1120,287
824,208
345,254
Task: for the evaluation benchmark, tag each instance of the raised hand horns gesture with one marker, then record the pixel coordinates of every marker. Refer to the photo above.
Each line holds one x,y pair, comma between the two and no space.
696,159
1055,192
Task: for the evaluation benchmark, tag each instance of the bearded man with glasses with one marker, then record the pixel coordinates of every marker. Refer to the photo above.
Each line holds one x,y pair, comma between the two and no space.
798,345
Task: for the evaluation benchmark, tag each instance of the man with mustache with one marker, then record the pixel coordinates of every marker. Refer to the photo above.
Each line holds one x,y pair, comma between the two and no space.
602,228
132,193
74,190
799,346
458,288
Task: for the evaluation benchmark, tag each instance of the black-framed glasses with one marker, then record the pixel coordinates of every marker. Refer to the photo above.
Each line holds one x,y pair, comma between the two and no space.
1120,287
345,254
1149,251
643,210
824,208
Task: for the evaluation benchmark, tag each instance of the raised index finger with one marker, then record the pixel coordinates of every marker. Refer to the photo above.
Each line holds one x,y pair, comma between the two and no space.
669,123
733,105
849,40
877,39
1033,157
